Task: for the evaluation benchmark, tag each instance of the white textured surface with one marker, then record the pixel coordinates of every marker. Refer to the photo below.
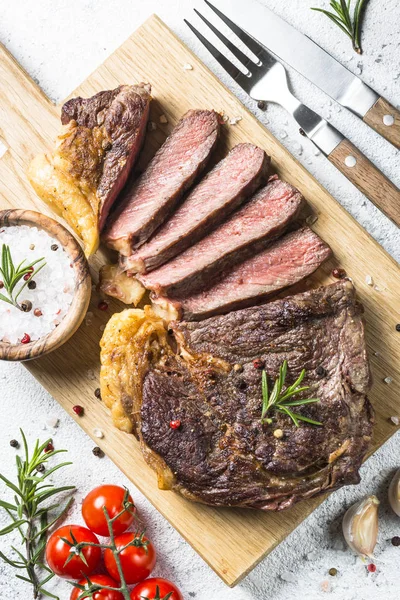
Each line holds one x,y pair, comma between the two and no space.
59,44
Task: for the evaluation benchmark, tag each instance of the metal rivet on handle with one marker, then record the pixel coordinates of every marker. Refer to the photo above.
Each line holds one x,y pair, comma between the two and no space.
350,161
388,120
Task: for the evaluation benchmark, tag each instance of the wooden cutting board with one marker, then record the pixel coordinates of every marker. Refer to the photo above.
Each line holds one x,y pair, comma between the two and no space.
232,541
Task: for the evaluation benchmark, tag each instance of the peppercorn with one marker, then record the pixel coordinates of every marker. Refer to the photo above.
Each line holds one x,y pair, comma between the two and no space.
396,540
320,371
1,285
26,305
98,452
371,568
97,393
26,339
54,247
14,443
40,468
261,104
332,572
339,273
175,424
238,368
102,305
398,327
49,447
258,363
37,312
78,410
32,285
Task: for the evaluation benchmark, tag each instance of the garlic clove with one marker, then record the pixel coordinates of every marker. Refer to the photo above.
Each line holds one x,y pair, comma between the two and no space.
360,526
394,493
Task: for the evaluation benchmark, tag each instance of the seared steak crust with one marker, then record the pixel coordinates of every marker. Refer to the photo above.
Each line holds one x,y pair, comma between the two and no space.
222,454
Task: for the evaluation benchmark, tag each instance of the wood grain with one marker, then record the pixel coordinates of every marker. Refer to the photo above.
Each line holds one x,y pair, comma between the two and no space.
368,179
82,290
374,118
232,541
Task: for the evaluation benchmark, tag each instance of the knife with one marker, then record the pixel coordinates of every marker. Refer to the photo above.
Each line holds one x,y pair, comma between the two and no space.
309,59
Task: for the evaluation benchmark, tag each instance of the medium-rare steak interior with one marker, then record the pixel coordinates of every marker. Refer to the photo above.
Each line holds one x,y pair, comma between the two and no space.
151,199
205,379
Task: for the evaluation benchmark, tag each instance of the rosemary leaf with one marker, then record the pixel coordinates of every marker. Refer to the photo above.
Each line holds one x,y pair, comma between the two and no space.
350,25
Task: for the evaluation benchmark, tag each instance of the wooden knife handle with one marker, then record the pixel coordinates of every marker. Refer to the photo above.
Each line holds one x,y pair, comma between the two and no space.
367,178
385,119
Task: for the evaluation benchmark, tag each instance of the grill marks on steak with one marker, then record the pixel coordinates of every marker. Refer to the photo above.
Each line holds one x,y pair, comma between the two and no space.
251,228
116,120
226,186
221,454
289,260
170,173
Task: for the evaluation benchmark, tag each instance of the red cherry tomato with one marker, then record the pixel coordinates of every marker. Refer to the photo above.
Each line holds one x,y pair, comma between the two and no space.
111,497
57,552
102,594
137,561
153,586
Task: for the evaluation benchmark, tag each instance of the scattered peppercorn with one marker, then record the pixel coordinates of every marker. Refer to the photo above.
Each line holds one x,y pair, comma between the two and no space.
258,363
398,327
302,132
371,568
102,305
238,368
98,452
320,371
332,572
26,339
175,424
32,285
49,447
14,443
1,285
32,247
37,312
28,274
278,433
396,540
40,468
97,393
26,305
78,410
54,247
339,273
261,104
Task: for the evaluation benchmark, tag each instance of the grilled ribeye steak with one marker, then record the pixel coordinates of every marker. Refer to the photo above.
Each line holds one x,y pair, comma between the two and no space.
224,188
221,454
285,262
146,205
97,149
251,228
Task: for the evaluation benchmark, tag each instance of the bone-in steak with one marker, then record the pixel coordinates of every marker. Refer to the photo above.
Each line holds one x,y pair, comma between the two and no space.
170,173
234,179
286,262
263,218
221,454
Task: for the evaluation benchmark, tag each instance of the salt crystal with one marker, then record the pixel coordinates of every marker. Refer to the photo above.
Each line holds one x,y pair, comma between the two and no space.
317,152
234,120
369,280
395,420
289,577
98,433
3,149
313,555
297,147
283,134
376,288
163,119
388,380
326,586
188,67
53,421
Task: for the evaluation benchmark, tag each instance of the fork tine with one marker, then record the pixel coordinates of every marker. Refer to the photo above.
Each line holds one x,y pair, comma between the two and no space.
223,61
242,35
245,60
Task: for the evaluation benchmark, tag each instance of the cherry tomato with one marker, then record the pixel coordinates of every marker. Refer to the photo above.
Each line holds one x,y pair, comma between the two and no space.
102,594
57,552
137,561
155,588
111,497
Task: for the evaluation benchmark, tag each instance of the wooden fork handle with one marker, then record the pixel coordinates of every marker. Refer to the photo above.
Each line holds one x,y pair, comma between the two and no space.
385,119
367,178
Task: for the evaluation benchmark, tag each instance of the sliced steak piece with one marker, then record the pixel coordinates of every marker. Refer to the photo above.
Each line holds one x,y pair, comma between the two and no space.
287,261
222,454
100,142
248,230
232,180
170,173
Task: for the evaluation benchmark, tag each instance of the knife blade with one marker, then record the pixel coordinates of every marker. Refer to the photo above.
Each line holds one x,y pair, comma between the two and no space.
314,63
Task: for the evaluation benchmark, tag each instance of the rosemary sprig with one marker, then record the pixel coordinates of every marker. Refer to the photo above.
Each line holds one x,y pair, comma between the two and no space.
342,18
30,517
12,275
90,588
279,399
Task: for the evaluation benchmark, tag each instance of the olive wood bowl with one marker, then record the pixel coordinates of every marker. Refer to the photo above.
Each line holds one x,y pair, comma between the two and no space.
83,285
